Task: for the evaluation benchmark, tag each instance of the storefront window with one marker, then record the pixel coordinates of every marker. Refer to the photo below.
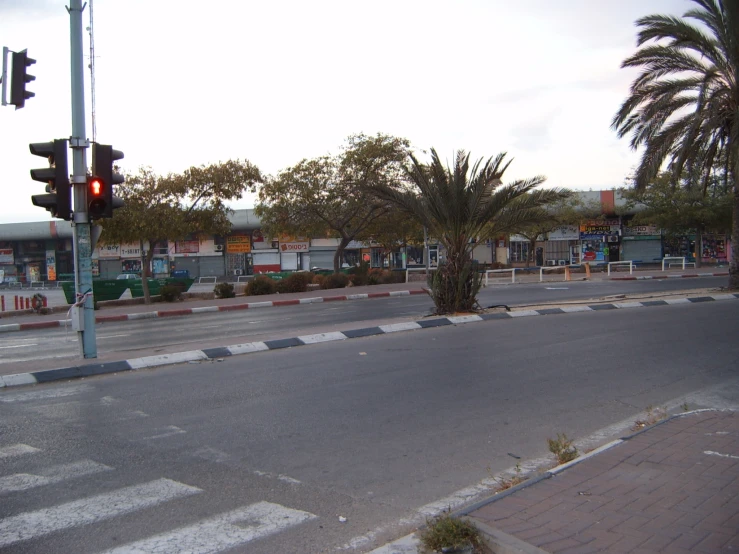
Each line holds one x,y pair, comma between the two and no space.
519,251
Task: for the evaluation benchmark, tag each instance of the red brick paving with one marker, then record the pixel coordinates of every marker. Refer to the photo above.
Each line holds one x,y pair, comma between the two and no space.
659,491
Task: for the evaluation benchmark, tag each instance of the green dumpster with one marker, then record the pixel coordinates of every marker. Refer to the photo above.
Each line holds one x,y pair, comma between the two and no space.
102,289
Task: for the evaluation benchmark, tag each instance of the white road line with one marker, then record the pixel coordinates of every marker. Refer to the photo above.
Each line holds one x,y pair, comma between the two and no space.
222,532
169,430
45,394
114,336
17,450
19,346
56,474
30,525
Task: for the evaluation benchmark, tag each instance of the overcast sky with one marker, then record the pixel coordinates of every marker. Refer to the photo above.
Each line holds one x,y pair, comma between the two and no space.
182,83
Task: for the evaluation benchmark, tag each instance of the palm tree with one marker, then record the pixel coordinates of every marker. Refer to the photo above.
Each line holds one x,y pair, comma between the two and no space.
684,106
463,204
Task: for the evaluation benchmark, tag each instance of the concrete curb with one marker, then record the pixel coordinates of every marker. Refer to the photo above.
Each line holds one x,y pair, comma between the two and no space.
687,276
88,370
208,309
502,543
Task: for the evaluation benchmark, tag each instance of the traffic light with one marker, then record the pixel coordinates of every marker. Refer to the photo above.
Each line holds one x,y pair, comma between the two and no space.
100,200
58,199
20,76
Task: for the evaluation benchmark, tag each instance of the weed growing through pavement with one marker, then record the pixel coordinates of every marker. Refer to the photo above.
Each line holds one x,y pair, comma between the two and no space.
446,533
505,483
685,407
654,415
562,449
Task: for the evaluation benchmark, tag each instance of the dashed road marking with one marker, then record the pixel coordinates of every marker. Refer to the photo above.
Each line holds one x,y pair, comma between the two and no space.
24,481
168,431
17,450
221,532
31,525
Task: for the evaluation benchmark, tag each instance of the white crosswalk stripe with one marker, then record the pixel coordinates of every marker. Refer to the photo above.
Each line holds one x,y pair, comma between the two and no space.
24,481
45,394
16,450
222,532
30,525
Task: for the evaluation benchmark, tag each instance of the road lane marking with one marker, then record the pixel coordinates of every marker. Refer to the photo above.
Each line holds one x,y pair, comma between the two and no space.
169,431
114,336
24,481
45,394
17,450
30,525
221,532
19,345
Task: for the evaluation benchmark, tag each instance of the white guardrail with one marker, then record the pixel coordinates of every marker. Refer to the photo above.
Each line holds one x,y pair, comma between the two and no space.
214,281
542,269
512,270
630,262
244,277
419,269
679,258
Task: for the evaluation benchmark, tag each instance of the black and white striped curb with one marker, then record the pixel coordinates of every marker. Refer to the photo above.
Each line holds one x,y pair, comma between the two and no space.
88,370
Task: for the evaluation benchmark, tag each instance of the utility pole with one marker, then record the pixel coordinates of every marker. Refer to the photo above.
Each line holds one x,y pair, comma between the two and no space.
81,224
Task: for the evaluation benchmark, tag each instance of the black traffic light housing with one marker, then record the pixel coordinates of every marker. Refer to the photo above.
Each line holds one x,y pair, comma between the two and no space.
100,200
58,200
19,79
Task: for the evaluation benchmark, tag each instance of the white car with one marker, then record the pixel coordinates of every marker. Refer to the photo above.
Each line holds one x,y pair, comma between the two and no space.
128,276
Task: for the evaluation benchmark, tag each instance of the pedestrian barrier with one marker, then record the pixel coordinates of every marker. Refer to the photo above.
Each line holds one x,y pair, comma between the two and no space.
244,277
542,269
630,262
512,270
213,282
670,264
681,258
419,269
24,302
37,285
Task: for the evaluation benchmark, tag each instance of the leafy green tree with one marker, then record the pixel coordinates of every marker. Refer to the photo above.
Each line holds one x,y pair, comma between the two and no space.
680,209
684,105
392,231
463,204
162,208
328,196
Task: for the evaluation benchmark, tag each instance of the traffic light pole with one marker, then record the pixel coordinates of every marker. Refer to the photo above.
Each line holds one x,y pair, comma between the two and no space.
82,225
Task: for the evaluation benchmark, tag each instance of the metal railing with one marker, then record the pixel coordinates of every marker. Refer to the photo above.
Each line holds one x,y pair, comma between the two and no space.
681,258
630,262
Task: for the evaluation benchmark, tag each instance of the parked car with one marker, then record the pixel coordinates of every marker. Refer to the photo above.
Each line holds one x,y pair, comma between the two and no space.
128,276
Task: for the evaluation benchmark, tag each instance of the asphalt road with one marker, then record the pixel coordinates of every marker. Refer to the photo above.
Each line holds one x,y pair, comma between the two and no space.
219,329
379,431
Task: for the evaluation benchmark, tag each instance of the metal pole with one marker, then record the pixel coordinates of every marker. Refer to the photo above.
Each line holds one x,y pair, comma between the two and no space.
78,143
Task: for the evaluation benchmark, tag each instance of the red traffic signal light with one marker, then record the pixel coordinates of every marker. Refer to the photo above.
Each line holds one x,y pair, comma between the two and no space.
98,203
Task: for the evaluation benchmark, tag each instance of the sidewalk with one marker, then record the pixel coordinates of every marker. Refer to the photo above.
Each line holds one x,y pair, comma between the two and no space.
672,488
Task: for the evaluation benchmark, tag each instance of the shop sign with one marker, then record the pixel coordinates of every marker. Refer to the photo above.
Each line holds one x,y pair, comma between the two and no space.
566,232
294,246
187,247
641,230
257,235
6,256
238,244
51,265
130,252
109,251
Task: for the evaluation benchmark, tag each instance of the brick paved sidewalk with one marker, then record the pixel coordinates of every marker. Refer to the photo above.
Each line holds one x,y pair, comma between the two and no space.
672,488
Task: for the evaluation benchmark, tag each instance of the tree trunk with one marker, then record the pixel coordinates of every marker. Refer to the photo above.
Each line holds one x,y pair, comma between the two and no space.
339,253
146,258
699,247
734,264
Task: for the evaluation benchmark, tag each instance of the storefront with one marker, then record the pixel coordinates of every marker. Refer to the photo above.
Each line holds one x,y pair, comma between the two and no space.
715,249
562,246
238,255
600,240
641,243
265,253
200,258
294,253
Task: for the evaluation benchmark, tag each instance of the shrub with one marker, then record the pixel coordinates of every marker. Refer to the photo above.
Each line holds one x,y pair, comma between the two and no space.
335,281
360,274
297,282
319,279
171,293
562,448
261,285
446,533
224,290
